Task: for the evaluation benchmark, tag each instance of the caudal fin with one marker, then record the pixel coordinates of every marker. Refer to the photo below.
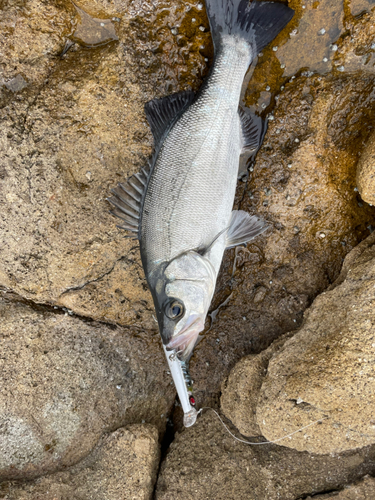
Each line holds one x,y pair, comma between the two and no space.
258,22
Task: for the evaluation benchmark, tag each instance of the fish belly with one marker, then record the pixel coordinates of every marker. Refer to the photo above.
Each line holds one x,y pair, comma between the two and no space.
190,194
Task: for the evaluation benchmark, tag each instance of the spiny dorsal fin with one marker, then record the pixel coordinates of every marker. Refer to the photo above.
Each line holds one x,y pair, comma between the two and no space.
253,130
162,112
127,200
243,228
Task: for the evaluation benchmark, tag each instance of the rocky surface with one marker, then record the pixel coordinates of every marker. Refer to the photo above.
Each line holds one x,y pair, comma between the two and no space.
363,490
206,462
326,370
73,82
366,172
71,128
122,466
240,391
65,382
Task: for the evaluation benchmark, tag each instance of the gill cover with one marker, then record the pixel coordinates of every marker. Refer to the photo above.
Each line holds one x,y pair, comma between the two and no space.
182,294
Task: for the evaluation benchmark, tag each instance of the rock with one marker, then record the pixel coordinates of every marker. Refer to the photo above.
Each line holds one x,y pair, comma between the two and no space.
240,391
205,462
122,466
66,381
358,7
325,371
72,127
366,172
363,490
320,25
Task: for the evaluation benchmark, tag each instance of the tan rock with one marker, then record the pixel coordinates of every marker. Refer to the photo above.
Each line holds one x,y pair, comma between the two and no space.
205,462
363,490
66,381
325,371
72,128
240,391
320,25
366,172
123,466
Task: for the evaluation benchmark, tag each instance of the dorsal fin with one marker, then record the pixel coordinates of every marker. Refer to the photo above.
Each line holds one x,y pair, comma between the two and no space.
128,199
253,130
162,112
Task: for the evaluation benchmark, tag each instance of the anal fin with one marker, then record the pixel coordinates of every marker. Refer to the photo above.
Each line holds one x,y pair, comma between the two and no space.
253,131
243,228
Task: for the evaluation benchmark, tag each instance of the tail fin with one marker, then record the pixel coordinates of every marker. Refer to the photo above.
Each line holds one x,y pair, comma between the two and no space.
258,22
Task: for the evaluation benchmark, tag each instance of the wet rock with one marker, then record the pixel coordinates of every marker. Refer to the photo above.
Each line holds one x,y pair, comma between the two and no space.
303,183
358,7
122,466
92,32
321,24
363,490
65,382
325,371
206,462
366,172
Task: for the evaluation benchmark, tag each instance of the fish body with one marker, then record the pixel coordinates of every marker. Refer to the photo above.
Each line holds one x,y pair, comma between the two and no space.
181,206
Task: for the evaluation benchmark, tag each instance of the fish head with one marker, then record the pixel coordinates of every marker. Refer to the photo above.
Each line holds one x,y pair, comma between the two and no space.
182,296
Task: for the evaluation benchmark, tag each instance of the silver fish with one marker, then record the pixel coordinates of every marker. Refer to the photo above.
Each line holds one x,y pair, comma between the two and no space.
180,206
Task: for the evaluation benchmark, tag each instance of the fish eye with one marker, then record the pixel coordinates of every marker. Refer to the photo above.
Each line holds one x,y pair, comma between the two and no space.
174,309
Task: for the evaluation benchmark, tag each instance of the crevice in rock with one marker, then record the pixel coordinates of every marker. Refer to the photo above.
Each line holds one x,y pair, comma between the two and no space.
166,441
10,296
94,280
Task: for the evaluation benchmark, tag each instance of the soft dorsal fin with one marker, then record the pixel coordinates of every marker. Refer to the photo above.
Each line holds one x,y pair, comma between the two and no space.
162,112
253,130
243,228
127,200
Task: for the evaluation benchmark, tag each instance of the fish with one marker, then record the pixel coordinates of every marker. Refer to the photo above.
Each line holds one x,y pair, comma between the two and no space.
180,205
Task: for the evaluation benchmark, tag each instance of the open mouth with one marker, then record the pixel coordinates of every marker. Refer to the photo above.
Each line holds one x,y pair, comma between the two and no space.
186,339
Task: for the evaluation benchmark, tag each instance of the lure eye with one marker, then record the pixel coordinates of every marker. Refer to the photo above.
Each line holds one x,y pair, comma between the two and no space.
175,310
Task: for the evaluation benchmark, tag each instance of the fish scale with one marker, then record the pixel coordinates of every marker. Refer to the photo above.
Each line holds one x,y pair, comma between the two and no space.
197,185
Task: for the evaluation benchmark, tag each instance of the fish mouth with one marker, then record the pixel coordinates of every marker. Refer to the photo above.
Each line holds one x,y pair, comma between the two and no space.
185,341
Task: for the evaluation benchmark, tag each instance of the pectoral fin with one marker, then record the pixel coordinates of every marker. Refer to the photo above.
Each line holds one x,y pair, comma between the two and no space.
243,228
